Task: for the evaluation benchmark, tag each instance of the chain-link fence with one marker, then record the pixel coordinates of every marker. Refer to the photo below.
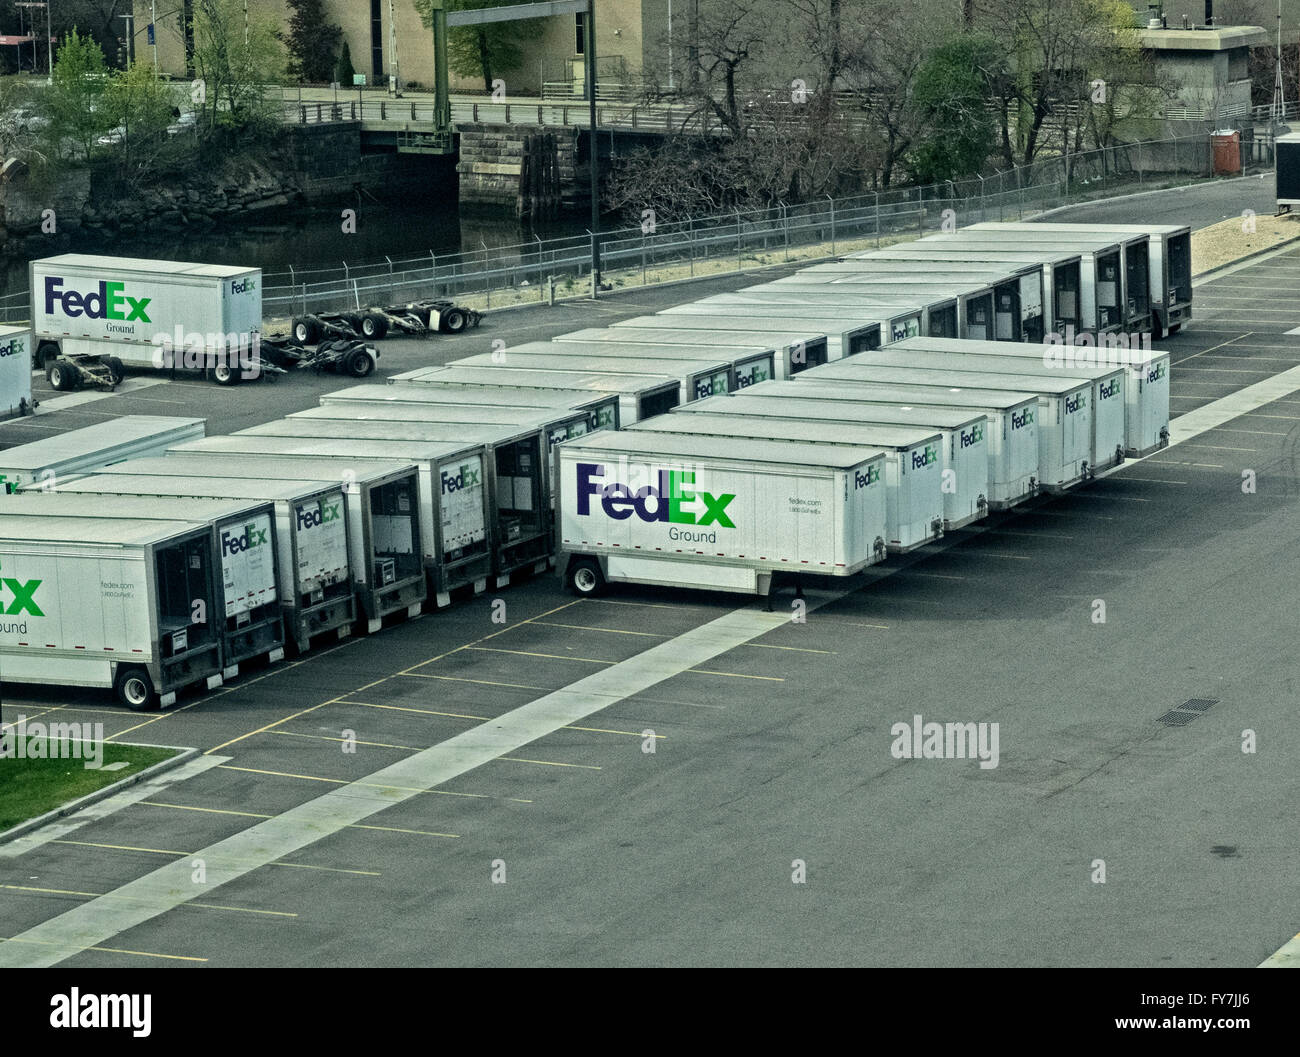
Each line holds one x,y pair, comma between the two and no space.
659,252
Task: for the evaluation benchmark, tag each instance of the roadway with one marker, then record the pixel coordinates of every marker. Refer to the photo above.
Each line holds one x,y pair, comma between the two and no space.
771,740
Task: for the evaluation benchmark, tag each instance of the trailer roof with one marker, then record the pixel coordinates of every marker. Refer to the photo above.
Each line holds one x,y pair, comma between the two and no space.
999,361
1027,350
1154,230
404,411
961,375
422,387
663,336
355,428
911,272
785,402
826,320
139,265
596,382
597,359
131,507
30,530
792,334
866,387
118,479
746,449
998,240
89,440
789,301
819,433
663,350
333,470
1065,240
923,289
285,447
1042,256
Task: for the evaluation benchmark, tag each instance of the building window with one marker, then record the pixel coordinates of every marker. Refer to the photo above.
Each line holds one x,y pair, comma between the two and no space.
580,27
377,40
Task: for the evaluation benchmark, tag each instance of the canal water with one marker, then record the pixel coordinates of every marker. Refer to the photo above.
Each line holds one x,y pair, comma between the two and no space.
312,237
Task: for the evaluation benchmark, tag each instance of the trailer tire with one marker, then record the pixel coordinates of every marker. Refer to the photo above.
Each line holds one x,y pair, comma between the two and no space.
46,354
358,364
223,374
1174,328
585,578
116,370
134,689
305,331
63,376
373,326
455,320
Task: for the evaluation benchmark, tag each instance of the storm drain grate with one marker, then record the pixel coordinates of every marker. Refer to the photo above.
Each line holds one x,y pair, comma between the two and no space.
1187,711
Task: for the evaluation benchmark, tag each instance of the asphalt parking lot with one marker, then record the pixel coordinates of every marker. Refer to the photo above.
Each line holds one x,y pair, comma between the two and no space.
634,780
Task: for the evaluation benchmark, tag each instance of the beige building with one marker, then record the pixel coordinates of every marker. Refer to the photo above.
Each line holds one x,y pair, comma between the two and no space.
386,37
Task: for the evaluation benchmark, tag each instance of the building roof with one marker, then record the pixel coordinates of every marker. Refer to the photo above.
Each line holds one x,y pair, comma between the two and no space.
1213,39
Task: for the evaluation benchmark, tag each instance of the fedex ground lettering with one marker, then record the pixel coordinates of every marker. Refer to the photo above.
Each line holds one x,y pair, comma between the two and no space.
105,301
671,499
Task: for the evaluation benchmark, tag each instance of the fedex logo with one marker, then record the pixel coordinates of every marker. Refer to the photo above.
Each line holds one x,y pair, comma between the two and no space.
248,539
1111,388
1156,373
862,480
1075,403
243,286
924,458
465,477
309,517
12,346
974,436
670,495
1021,419
106,301
22,597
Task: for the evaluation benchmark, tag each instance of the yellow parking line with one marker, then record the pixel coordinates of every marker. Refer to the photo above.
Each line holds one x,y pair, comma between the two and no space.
209,810
421,711
640,605
485,638
113,895
1217,447
552,763
547,656
795,649
737,675
268,726
183,854
1152,480
476,682
630,733
481,719
43,712
607,631
1252,432
110,950
369,785
398,829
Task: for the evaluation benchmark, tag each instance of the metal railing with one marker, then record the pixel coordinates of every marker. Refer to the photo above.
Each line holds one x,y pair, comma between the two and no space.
747,239
751,238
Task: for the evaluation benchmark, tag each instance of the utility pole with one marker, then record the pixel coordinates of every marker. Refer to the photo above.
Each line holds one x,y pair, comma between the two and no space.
130,35
392,47
153,33
590,50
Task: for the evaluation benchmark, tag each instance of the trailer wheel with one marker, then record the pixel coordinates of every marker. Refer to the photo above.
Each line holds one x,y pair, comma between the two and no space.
116,370
455,320
585,578
63,376
373,326
1174,328
46,354
305,331
134,689
359,364
223,374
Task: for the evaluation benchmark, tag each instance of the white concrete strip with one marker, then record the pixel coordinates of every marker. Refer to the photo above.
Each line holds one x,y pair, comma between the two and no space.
98,920
1293,330
110,805
1285,957
1252,398
62,403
